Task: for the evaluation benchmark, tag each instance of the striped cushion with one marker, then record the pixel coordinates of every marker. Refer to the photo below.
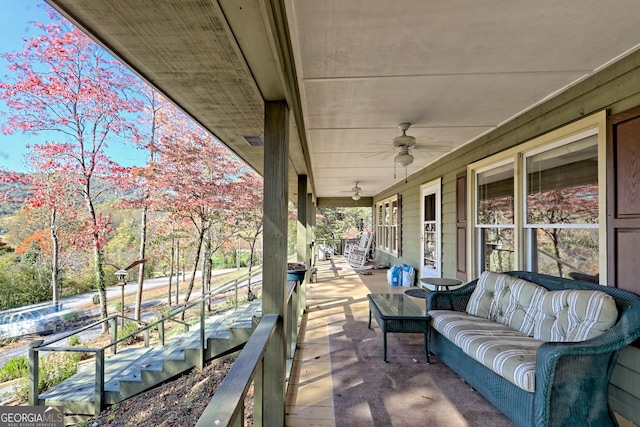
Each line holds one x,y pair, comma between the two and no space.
573,315
508,352
508,300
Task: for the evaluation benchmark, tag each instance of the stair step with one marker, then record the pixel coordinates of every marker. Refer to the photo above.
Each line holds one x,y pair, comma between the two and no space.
133,370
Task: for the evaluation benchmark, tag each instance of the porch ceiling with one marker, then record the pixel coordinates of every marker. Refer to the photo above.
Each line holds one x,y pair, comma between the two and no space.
353,70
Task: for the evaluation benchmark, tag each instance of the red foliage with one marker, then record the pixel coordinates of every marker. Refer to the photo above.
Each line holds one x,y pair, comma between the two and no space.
65,83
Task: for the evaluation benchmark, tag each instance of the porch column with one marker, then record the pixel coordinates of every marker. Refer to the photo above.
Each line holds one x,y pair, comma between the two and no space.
303,243
311,230
274,272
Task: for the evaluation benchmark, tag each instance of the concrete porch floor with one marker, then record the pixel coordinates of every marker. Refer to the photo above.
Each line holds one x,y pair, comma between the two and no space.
338,299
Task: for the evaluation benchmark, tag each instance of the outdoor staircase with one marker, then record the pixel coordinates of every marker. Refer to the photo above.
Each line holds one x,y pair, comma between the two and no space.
134,370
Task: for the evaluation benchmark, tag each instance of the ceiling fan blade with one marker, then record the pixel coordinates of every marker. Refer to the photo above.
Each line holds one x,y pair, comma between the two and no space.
442,148
428,144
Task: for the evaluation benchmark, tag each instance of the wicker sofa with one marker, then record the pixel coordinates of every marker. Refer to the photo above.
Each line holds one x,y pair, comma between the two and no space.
569,370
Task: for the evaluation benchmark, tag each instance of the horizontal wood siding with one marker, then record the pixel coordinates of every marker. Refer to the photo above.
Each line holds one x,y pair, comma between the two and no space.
615,89
449,225
624,391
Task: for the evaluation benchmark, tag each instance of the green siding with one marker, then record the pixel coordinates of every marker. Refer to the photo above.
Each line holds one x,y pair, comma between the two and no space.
624,391
615,89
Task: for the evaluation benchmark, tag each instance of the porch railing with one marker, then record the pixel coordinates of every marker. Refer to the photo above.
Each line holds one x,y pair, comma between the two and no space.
226,407
171,316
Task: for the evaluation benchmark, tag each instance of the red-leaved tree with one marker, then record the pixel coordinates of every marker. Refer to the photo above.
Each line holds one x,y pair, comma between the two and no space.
249,216
63,82
193,177
54,199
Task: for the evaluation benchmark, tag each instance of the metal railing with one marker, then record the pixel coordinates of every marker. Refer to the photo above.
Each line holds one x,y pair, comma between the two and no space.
36,349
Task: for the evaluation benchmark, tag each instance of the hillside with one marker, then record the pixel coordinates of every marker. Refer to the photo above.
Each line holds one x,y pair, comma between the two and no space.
15,187
12,192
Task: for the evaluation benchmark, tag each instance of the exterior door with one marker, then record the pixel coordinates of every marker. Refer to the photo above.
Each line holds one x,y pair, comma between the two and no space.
431,230
623,200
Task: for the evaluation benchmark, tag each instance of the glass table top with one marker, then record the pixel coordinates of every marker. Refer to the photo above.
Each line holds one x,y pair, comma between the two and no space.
397,305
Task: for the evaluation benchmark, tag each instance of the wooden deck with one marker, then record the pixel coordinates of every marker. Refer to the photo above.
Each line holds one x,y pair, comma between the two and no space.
310,394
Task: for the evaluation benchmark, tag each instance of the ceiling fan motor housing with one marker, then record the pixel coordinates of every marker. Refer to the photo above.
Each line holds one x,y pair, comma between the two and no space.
404,141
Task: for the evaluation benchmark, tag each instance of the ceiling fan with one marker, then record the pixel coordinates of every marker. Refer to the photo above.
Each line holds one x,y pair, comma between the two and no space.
405,143
355,190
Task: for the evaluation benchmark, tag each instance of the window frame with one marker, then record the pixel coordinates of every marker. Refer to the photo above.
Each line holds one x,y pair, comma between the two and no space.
478,228
388,225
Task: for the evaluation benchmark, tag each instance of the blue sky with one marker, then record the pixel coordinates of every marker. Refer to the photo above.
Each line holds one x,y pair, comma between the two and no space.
15,26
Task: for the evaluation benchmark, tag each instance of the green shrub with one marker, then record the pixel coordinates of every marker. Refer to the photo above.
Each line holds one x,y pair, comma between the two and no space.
54,368
128,329
57,367
74,340
15,368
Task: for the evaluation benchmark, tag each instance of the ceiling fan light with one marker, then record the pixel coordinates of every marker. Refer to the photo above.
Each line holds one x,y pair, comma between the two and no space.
404,159
356,197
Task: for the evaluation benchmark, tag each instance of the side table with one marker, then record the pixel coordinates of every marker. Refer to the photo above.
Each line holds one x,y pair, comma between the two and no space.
439,282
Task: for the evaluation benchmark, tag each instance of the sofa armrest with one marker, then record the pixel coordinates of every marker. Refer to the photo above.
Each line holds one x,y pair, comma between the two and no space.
455,300
573,378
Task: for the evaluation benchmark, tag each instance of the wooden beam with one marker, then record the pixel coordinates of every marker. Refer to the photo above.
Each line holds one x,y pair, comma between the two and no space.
344,202
274,272
311,235
302,242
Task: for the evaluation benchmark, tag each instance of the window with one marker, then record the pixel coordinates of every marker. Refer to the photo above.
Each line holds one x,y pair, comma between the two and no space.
430,232
495,218
561,222
388,225
540,206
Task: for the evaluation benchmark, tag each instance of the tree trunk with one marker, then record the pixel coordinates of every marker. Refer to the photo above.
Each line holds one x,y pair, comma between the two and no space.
97,258
55,255
192,281
178,272
143,244
206,268
171,270
100,284
250,295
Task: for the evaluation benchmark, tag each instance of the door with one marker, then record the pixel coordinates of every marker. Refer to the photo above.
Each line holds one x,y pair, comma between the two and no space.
431,230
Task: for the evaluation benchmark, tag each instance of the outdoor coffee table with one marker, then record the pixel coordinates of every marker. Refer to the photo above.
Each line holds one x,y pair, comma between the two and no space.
398,313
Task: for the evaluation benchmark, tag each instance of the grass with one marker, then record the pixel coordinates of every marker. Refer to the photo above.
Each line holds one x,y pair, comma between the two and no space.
14,368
